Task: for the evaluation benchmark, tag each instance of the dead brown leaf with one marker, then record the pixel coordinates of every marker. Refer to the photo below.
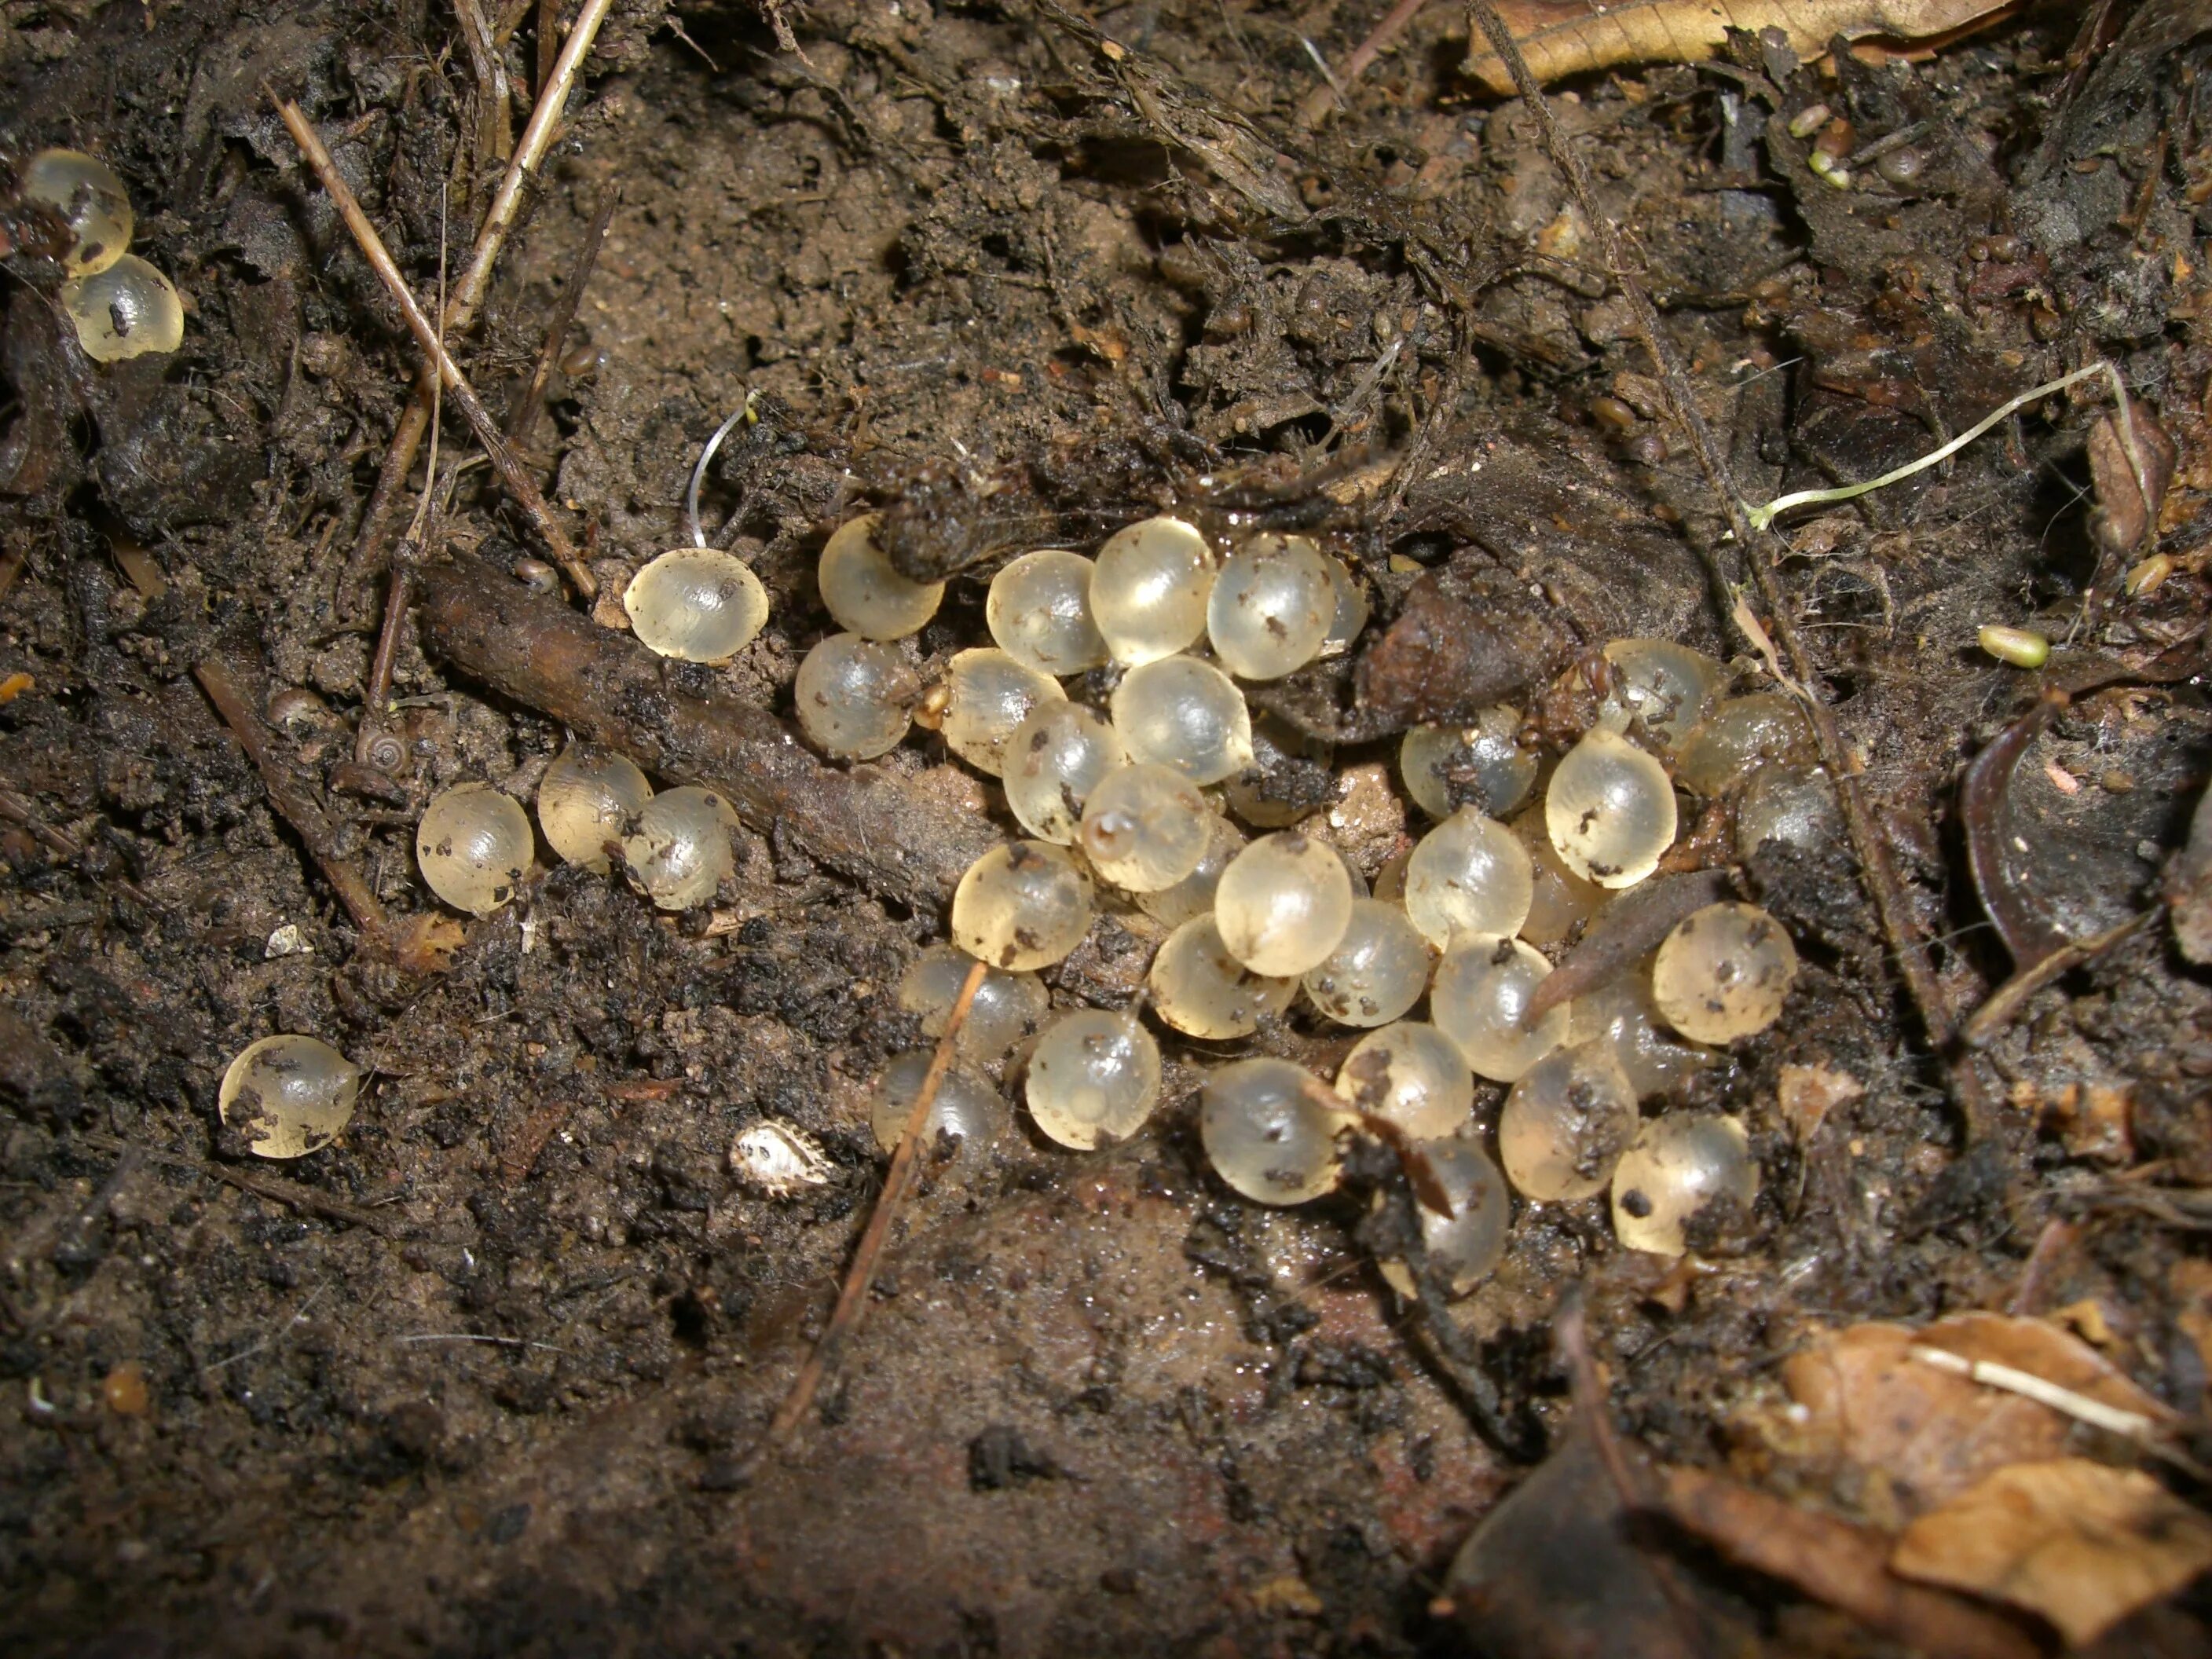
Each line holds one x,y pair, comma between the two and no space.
2081,1543
1807,1094
1566,37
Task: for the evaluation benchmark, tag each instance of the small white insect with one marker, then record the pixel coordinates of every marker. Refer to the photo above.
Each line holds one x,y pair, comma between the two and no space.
779,1159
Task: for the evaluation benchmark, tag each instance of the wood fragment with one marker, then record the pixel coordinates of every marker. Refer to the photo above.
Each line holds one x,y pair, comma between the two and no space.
518,482
294,800
1989,1021
269,1187
522,419
1623,934
1325,98
882,831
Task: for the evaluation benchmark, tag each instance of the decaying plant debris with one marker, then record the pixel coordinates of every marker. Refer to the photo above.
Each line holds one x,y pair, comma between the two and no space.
494,1370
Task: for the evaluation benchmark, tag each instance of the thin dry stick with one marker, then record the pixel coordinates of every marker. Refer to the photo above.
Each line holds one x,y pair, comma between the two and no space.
1323,99
300,809
261,1185
862,1273
518,482
476,277
523,415
1876,869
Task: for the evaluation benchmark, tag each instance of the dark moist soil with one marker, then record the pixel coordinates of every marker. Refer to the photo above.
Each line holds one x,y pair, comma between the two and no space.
489,1374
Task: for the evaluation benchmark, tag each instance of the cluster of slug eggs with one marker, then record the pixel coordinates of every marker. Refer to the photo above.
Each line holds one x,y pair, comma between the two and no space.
122,306
1121,800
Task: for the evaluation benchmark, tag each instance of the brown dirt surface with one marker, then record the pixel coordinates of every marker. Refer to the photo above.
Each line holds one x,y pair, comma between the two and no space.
490,1372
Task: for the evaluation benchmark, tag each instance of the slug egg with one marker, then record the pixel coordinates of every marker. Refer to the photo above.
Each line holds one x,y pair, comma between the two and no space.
1468,875
1182,713
1482,765
1057,757
127,310
1739,736
1465,1247
1482,989
1006,1007
1378,971
1290,779
1669,687
864,592
1202,991
1566,1123
1679,1166
1193,896
1093,1079
697,605
1723,973
1144,827
1793,804
1039,612
473,846
289,1095
854,697
680,852
1149,590
1284,903
1560,901
966,1108
985,695
1022,905
1622,1015
1272,607
587,799
1411,1075
1348,614
1268,1133
1610,811
91,202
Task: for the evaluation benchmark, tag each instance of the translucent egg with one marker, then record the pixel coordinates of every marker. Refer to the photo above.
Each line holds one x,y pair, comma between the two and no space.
127,310
587,799
1349,615
1269,1132
1560,901
854,697
1270,607
1740,735
1465,1247
1622,1015
1565,1124
1007,1008
1284,903
1022,905
1679,1166
1193,896
1482,765
1468,875
474,848
1055,759
1610,810
1039,611
1482,988
1411,1075
680,853
1144,827
1669,687
1202,991
89,199
1148,592
1793,804
1182,713
864,592
1094,1078
695,603
966,1108
1289,780
1378,971
1723,973
289,1096
984,696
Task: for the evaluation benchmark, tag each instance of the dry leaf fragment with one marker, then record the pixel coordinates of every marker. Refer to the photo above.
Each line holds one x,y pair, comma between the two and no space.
1807,1094
2081,1543
1566,37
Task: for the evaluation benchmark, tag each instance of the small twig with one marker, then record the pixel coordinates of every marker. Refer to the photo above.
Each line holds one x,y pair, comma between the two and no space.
268,1186
523,417
475,1336
854,1297
1989,1021
1322,98
468,292
300,809
2144,1432
518,482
